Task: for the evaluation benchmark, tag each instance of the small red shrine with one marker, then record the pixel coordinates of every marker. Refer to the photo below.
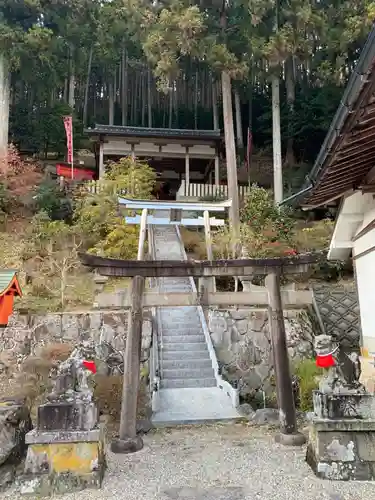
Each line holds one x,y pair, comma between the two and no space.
9,288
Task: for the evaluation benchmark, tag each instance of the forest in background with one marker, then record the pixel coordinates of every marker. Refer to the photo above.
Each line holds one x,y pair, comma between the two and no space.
158,63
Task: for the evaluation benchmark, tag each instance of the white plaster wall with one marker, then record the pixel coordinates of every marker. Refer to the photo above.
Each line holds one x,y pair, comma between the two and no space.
117,146
365,271
368,210
114,147
202,150
146,147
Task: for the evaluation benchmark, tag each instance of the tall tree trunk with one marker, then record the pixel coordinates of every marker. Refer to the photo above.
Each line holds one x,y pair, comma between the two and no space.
276,128
52,98
87,87
133,97
72,80
143,98
170,108
66,90
230,150
4,104
237,104
230,145
176,107
250,123
276,140
111,101
215,114
115,85
124,86
95,102
149,101
290,99
196,101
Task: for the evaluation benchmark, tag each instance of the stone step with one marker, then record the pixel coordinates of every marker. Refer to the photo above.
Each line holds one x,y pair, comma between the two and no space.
186,317
187,373
180,364
172,331
180,323
185,346
184,383
183,339
183,355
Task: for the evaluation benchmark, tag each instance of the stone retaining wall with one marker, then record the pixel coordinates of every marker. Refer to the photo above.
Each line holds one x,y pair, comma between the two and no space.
243,345
25,334
240,337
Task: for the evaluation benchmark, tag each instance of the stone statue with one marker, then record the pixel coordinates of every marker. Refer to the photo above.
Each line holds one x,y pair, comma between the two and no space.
72,380
342,370
15,422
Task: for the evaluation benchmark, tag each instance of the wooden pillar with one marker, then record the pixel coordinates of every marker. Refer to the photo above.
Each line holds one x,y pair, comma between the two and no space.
211,282
217,170
128,441
101,160
285,398
142,235
132,152
187,172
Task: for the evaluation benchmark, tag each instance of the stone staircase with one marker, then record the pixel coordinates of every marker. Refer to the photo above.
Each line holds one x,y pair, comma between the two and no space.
185,360
189,390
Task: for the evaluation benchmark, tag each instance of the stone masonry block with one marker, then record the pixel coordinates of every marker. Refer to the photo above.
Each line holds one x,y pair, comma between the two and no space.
70,327
336,446
62,465
45,327
67,416
88,325
342,450
366,446
343,406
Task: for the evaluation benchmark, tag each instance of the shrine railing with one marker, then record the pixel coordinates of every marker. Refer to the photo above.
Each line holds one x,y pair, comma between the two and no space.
196,191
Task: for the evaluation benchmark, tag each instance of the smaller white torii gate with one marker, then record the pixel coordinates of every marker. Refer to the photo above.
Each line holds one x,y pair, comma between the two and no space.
175,210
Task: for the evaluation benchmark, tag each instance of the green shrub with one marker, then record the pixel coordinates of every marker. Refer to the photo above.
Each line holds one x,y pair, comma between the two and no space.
308,374
260,213
136,178
51,199
4,197
97,215
120,243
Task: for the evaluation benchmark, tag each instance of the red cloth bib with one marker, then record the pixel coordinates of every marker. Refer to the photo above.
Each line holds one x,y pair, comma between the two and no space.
325,361
90,365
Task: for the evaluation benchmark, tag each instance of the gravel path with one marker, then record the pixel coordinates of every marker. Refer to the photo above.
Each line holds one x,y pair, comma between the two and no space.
218,462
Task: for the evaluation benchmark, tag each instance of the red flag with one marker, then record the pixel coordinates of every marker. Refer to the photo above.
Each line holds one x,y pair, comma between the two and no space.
90,365
326,361
68,124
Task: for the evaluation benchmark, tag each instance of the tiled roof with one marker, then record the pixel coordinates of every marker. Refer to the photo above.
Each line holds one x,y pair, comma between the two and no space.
6,278
214,135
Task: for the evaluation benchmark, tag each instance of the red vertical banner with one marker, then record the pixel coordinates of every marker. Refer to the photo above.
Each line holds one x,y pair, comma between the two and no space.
68,124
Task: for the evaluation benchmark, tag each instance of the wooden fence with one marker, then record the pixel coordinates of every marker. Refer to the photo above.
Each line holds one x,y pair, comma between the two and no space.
197,191
192,191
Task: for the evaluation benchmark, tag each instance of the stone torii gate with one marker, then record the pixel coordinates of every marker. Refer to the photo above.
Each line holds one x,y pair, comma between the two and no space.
138,270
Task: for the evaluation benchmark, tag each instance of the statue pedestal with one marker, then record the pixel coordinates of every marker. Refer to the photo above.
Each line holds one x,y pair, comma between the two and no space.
66,416
66,451
342,437
345,405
